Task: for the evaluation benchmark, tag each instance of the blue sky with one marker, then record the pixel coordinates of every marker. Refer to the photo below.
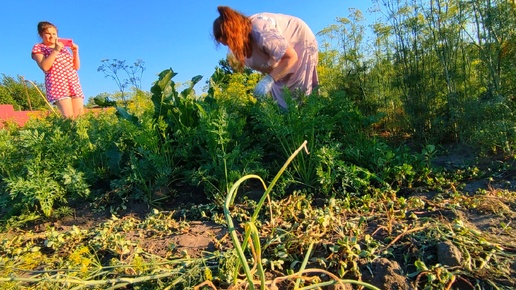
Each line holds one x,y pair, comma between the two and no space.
164,34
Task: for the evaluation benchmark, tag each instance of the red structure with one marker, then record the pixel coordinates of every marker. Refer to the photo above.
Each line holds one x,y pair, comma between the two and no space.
8,114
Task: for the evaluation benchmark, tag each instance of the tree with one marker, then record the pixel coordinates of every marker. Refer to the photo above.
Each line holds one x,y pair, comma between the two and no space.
24,95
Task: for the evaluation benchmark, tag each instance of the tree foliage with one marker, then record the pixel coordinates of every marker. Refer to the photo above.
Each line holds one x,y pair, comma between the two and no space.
20,93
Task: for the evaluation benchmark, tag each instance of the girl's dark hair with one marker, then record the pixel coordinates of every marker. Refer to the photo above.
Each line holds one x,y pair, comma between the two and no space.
43,25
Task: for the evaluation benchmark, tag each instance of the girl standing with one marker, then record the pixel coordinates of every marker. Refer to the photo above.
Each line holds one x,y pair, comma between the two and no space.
60,67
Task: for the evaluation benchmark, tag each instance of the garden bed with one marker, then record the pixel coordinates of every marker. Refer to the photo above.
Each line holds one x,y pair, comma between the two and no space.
460,239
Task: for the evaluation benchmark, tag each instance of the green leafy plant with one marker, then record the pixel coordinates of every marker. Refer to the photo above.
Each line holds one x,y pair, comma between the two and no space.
283,130
225,152
251,239
42,179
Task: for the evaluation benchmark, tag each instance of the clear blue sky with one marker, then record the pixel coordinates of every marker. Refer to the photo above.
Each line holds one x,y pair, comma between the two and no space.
164,34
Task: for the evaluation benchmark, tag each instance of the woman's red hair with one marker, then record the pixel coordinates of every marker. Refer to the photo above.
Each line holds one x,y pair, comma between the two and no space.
233,29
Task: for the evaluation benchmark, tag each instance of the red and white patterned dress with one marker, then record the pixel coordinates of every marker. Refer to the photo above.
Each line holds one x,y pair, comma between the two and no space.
61,80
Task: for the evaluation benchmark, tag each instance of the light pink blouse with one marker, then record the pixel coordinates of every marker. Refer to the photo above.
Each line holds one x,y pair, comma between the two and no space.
272,34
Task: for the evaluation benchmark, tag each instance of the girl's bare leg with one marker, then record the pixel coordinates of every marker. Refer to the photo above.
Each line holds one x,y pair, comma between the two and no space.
65,107
78,107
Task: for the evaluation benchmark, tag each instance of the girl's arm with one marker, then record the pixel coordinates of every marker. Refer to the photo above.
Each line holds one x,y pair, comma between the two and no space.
45,63
76,59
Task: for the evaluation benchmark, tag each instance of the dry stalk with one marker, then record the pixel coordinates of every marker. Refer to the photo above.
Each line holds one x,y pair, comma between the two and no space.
406,232
205,283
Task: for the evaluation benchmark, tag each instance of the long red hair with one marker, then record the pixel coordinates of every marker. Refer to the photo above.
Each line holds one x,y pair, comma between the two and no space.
233,29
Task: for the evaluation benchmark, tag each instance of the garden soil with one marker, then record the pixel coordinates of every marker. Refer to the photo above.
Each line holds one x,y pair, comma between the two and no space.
205,236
